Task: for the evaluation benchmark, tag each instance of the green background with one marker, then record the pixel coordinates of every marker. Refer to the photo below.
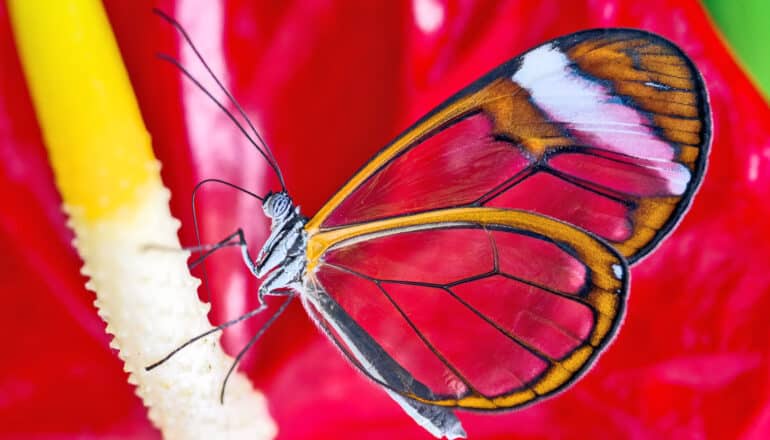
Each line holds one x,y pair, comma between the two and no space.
746,26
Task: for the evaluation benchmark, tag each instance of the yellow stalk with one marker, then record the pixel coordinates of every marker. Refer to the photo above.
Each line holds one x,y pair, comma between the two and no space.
110,183
95,136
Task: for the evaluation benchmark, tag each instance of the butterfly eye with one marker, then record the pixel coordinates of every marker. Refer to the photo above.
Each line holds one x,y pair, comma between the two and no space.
277,205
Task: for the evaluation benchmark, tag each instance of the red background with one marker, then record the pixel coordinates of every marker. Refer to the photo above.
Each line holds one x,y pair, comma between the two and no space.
329,83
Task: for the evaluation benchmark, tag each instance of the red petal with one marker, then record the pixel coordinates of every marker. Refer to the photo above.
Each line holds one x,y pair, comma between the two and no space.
329,83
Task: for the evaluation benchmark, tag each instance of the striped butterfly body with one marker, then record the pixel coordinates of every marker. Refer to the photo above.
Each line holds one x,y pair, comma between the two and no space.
480,261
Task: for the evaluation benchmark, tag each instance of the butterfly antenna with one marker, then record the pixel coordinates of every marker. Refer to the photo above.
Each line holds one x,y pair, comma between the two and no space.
218,328
253,340
178,65
273,162
231,185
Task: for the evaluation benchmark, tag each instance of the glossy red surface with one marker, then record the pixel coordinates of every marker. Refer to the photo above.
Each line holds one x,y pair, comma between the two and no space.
329,83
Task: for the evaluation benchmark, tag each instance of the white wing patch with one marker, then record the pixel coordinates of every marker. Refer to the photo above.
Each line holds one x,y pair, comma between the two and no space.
618,271
594,115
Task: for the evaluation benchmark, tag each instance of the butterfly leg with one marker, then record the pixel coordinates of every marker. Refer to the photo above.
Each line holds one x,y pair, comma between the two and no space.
210,249
247,259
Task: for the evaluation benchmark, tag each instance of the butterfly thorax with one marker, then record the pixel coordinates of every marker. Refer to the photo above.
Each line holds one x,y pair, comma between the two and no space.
282,258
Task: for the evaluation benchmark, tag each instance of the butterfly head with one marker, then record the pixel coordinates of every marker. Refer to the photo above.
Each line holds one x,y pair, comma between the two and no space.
277,206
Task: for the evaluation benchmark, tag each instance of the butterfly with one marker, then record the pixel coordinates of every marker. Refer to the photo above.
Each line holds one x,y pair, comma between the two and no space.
481,260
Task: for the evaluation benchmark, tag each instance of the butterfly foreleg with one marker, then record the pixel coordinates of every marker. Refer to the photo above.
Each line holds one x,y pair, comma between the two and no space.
210,249
246,255
228,241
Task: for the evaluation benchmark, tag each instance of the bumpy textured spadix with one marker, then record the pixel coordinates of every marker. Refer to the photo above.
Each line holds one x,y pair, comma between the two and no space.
148,299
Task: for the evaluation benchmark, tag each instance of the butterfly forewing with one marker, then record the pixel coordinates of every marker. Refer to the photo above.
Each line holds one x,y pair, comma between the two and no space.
607,130
472,307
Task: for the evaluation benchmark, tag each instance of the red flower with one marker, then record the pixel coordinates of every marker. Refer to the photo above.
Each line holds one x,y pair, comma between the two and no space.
329,83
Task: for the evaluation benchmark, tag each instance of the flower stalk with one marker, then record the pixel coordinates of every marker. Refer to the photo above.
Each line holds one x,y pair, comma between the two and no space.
111,189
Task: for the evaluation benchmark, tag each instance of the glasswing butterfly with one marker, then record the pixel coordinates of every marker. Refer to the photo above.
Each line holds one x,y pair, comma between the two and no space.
480,260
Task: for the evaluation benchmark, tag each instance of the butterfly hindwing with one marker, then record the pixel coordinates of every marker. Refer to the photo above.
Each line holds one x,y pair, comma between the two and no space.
472,307
607,130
